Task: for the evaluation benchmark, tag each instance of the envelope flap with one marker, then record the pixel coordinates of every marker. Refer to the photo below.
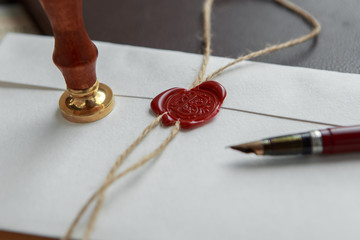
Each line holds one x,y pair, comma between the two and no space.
293,92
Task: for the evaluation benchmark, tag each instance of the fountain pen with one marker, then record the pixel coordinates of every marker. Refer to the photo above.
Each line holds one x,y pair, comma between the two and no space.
326,141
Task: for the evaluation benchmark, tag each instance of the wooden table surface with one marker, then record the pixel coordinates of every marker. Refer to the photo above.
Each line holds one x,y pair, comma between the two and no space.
4,235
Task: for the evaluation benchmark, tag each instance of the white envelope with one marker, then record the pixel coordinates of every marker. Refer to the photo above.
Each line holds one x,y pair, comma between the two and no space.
196,189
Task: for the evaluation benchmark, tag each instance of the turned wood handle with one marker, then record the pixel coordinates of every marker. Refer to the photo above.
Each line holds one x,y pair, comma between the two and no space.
74,53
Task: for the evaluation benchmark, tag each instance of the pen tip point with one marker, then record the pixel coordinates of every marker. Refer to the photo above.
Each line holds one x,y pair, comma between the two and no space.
242,148
253,147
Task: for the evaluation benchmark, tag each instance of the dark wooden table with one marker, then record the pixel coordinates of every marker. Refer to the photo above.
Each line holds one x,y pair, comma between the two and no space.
4,235
239,26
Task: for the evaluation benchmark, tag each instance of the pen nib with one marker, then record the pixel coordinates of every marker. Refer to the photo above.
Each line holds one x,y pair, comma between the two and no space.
242,148
252,147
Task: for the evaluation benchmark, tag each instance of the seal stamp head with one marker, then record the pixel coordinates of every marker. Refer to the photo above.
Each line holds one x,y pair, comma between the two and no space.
192,107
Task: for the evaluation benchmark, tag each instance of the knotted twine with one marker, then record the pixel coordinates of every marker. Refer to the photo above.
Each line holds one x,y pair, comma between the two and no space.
112,177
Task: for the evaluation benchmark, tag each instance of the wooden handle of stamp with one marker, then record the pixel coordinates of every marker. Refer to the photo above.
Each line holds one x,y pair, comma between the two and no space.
74,53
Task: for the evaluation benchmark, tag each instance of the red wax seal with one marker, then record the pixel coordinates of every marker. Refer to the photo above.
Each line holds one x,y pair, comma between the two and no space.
192,107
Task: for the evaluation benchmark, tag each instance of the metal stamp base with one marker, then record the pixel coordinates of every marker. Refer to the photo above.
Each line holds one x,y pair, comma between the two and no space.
89,105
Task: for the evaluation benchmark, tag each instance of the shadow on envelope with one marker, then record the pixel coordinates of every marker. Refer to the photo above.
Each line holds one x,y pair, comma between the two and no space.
276,161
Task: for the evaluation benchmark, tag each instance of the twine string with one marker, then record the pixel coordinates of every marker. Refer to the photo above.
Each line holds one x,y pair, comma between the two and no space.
112,177
207,40
135,166
112,172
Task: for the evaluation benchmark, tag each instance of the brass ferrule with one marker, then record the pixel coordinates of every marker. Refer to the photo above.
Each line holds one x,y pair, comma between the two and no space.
301,143
283,145
86,92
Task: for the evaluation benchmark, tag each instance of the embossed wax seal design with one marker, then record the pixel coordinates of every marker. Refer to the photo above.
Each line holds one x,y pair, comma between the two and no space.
192,107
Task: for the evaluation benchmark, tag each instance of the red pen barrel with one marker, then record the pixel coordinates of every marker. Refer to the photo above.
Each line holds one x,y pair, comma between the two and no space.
341,139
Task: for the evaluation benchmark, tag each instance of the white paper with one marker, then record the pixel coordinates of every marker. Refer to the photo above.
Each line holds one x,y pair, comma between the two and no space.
196,189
